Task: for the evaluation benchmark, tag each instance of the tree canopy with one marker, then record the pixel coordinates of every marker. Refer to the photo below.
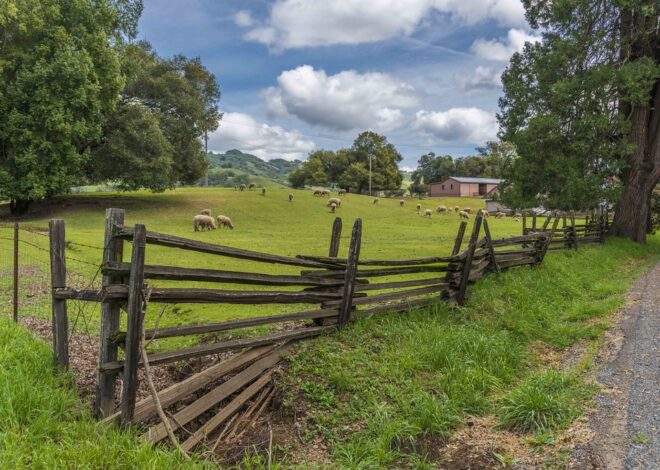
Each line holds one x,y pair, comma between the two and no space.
582,109
349,168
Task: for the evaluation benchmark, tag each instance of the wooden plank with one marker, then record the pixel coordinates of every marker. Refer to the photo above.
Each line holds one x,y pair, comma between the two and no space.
472,245
230,345
214,275
489,245
113,252
529,238
517,262
226,411
156,433
57,280
134,322
373,262
335,238
202,328
459,238
346,304
172,241
546,245
396,307
395,295
146,408
385,272
400,284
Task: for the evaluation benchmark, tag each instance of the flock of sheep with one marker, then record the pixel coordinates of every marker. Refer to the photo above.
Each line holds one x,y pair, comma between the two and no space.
205,221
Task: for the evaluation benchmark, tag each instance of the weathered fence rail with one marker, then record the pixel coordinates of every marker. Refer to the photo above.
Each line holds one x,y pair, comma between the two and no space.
339,287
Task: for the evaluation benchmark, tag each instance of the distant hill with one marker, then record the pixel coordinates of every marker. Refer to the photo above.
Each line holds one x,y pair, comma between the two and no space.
235,167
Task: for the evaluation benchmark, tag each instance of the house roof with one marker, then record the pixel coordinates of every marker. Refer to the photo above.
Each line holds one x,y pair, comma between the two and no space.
465,179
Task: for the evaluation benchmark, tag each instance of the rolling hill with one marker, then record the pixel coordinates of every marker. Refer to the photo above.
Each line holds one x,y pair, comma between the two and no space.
236,167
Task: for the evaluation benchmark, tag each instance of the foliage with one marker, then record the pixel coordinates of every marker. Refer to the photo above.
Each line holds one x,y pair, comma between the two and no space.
349,168
579,108
59,77
276,169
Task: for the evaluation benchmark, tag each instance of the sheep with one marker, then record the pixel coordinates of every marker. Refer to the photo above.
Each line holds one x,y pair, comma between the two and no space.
242,187
457,209
290,197
205,212
468,210
428,213
334,200
333,207
401,201
484,213
325,192
201,222
341,192
224,221
500,215
317,193
252,186
441,209
463,215
263,191
419,208
376,200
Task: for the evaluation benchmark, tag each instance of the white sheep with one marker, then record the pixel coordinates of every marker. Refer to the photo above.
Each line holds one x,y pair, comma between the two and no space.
333,207
290,197
468,210
242,187
419,208
401,201
484,213
252,186
325,192
201,222
441,209
428,213
457,209
224,221
376,200
341,192
463,215
334,200
205,212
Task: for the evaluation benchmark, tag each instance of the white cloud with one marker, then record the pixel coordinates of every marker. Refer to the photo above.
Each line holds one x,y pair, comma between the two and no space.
345,101
482,78
243,18
241,131
502,50
468,125
309,23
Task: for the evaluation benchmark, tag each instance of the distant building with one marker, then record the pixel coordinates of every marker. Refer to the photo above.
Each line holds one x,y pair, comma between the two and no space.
460,186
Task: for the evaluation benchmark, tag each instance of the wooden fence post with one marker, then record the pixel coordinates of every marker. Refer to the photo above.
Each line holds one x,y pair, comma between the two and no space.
335,238
465,275
573,231
459,238
15,281
110,312
491,250
133,324
524,224
546,245
534,221
346,304
58,280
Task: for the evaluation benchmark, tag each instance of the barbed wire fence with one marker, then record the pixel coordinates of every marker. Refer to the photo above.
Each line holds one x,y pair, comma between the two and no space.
25,282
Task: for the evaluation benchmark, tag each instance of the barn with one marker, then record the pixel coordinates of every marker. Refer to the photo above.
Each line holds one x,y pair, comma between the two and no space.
460,186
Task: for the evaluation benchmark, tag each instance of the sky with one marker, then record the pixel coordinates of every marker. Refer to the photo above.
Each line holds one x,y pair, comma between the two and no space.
304,75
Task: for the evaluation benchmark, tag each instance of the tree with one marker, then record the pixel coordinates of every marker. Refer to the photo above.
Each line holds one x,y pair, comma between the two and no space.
176,98
498,157
583,109
431,169
59,77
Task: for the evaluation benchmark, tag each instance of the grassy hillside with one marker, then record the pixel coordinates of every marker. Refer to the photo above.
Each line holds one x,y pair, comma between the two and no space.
235,167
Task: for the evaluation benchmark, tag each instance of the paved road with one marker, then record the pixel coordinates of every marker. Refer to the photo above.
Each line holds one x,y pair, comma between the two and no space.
627,422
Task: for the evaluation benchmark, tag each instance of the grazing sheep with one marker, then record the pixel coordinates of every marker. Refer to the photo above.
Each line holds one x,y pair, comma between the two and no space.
201,222
334,200
263,191
500,215
484,213
252,186
468,210
290,197
317,193
441,209
224,221
341,192
242,187
457,209
205,212
333,207
401,201
419,208
463,215
325,192
376,200
428,213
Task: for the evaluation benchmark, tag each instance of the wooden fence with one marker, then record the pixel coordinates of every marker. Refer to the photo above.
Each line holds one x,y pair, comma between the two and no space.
341,287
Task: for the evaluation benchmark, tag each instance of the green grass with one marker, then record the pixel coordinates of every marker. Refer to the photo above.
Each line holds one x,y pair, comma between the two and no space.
44,426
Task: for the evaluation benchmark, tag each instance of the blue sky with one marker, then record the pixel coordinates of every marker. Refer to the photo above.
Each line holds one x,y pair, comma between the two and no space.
303,75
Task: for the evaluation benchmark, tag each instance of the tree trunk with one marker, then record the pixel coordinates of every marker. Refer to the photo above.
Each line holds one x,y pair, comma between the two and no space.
18,207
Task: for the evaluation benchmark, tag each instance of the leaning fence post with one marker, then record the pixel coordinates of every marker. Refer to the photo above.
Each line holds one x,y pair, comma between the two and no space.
467,267
459,238
110,310
58,280
133,324
546,245
346,304
15,281
335,238
491,250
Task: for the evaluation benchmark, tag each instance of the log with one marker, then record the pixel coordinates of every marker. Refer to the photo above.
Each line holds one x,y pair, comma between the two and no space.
230,345
529,238
392,262
489,246
172,241
203,328
395,295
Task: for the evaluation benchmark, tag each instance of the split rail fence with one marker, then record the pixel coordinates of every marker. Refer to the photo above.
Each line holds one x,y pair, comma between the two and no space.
338,288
